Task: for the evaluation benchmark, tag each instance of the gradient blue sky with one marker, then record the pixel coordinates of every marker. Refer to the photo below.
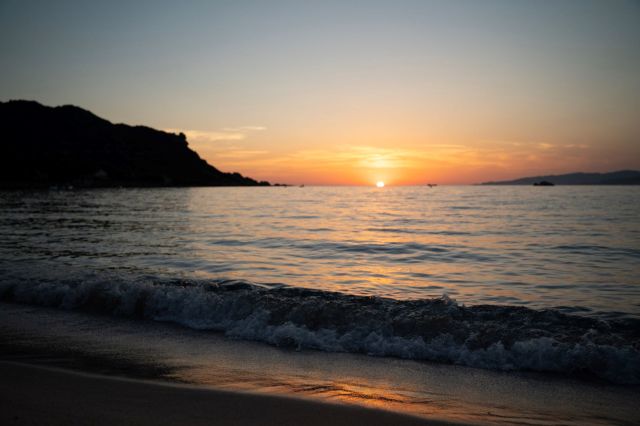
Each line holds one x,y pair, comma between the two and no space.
347,92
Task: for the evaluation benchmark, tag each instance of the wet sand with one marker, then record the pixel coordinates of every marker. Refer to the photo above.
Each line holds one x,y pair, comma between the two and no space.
34,395
243,373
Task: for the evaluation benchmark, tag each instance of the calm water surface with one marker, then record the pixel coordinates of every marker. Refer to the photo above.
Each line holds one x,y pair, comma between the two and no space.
576,248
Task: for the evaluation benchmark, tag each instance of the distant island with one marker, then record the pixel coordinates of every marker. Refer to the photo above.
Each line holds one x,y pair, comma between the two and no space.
622,177
543,183
50,146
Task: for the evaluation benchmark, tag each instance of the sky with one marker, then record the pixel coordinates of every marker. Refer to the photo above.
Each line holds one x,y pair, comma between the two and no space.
345,92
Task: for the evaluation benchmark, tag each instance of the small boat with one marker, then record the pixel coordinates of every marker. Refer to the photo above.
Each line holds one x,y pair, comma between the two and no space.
543,183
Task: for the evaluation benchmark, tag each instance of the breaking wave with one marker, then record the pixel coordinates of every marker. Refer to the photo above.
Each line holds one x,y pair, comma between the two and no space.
440,330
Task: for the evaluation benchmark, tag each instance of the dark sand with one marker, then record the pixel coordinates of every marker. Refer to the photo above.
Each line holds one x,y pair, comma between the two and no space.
34,395
165,353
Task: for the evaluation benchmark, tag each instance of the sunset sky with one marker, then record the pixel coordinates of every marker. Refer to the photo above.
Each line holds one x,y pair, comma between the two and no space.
347,92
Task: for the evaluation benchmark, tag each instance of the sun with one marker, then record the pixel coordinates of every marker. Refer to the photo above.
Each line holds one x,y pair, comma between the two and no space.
380,184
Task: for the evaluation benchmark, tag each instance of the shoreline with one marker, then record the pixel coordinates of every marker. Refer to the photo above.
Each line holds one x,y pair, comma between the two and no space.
32,394
101,346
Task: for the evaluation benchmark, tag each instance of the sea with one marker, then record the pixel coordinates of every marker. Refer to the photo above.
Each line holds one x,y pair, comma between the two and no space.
435,301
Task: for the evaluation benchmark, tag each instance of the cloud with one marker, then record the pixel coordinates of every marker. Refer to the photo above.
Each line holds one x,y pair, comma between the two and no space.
240,153
369,157
577,146
245,129
226,134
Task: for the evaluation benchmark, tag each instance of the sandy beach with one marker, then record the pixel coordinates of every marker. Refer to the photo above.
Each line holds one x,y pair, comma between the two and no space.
63,365
33,395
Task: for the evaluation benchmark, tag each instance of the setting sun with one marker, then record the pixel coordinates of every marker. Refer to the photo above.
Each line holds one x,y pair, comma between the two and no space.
380,184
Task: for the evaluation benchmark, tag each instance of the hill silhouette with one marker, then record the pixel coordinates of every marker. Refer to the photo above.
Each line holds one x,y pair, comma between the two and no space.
43,146
622,177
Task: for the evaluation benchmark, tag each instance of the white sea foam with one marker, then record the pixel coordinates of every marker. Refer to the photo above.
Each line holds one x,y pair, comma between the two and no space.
492,337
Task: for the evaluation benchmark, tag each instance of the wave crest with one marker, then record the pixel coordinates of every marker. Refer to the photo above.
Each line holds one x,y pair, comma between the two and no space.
440,330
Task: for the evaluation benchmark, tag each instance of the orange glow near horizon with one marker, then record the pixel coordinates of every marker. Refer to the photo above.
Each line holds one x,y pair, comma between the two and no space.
410,164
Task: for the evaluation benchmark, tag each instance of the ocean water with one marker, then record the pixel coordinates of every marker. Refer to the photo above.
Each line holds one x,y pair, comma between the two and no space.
502,278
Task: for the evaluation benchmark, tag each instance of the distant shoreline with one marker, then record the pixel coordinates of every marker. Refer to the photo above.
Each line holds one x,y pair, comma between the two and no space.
128,185
620,177
71,187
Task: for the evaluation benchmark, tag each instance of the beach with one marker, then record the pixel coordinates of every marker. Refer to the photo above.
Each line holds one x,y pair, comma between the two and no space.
34,395
87,351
